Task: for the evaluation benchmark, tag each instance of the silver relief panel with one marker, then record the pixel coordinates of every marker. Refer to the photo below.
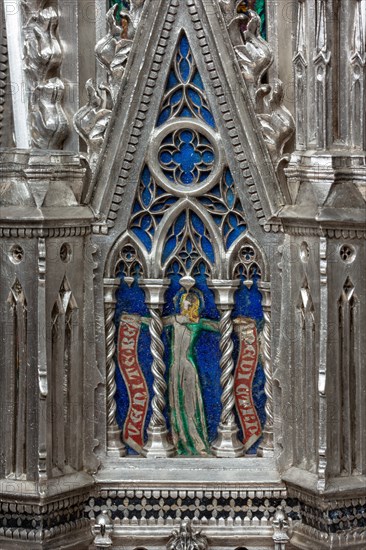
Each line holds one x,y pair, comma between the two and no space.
189,236
203,353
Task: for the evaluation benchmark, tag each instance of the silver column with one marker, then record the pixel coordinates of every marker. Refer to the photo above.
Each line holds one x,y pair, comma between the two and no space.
115,447
158,444
266,447
227,443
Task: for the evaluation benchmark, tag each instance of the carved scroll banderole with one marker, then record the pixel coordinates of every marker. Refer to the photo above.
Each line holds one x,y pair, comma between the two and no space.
243,380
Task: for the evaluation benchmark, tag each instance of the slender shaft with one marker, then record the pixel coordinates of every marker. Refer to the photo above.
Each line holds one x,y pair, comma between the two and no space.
266,448
158,369
227,367
115,446
226,443
267,367
158,443
110,363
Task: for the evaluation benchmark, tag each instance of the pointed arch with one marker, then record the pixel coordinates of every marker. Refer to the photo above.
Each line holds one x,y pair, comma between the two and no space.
146,79
305,360
351,459
234,145
236,256
188,205
115,256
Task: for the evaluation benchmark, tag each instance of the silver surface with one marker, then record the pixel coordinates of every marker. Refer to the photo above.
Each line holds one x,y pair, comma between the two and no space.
64,234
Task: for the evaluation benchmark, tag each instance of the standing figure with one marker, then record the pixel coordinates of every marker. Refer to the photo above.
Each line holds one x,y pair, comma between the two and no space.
187,415
186,409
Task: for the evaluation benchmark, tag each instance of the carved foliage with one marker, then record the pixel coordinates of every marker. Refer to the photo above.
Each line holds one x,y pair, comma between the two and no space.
113,49
255,57
112,52
43,57
254,54
91,121
187,539
276,121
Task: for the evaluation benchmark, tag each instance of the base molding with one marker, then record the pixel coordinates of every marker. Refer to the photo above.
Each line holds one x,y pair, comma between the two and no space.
80,539
47,520
307,538
333,518
145,507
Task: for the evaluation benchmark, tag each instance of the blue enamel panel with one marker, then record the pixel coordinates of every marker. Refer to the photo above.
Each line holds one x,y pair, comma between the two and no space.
132,300
207,351
207,348
184,94
148,209
186,157
248,302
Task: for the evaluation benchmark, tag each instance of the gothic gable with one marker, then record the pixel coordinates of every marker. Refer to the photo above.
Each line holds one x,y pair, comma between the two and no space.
136,129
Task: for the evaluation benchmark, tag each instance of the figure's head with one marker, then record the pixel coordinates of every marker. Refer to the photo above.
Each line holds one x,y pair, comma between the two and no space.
189,306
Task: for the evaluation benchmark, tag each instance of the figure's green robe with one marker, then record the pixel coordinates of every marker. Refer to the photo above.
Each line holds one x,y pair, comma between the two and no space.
187,415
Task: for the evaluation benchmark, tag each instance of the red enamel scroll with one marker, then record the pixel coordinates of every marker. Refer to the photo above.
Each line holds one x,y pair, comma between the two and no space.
138,393
243,380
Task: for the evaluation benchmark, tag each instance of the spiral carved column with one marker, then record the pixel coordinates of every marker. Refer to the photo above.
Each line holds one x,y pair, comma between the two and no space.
158,369
158,443
115,447
227,367
266,448
227,443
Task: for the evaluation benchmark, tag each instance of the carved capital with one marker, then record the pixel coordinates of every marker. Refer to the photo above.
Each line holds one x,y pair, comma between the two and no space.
224,292
154,291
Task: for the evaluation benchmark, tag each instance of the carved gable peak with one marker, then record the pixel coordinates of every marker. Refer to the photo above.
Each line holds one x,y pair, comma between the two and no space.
248,125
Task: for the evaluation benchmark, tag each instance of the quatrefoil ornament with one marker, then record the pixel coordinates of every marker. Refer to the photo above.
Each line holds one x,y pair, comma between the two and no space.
185,157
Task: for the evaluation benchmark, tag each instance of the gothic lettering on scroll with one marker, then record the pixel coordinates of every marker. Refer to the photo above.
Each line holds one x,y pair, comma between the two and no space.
186,404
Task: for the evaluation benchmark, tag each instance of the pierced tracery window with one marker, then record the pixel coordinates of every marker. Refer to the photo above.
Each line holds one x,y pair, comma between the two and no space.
188,315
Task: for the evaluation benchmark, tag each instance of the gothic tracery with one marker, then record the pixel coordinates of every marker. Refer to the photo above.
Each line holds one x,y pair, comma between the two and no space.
182,293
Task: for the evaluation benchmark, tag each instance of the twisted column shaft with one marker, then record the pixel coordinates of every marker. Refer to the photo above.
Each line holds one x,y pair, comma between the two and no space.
266,448
227,367
114,442
110,364
267,367
158,443
158,369
226,443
